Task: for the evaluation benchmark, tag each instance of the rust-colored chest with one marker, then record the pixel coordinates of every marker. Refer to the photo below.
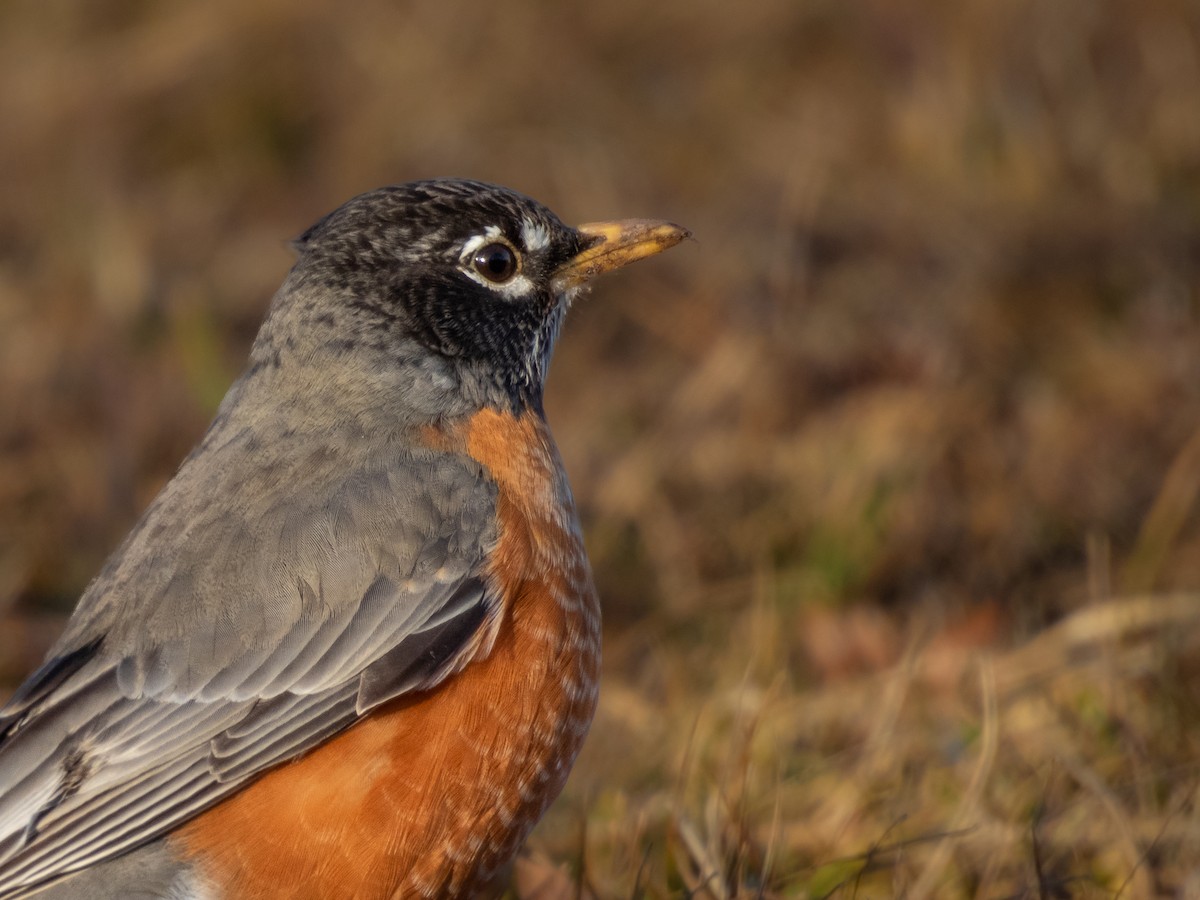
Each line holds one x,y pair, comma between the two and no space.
430,795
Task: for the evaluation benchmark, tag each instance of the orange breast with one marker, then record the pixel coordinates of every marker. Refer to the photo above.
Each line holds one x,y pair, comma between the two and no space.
430,795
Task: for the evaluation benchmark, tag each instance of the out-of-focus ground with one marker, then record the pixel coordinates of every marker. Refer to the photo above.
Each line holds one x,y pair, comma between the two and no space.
889,479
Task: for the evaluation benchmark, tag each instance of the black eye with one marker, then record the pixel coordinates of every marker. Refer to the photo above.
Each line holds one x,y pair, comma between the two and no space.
495,262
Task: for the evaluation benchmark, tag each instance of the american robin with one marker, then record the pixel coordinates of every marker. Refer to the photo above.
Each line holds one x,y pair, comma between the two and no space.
352,648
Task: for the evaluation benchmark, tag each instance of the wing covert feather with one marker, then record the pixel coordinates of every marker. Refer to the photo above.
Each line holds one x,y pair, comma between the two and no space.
220,641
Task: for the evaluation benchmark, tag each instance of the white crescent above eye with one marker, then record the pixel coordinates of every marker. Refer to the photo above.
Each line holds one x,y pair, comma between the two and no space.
514,288
534,235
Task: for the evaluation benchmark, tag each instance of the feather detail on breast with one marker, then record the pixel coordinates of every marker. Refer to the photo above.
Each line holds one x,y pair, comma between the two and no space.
456,776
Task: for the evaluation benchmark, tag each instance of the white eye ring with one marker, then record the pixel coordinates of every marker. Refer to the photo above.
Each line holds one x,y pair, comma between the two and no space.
512,285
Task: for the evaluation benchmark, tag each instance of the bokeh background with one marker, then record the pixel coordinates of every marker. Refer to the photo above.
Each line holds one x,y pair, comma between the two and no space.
889,478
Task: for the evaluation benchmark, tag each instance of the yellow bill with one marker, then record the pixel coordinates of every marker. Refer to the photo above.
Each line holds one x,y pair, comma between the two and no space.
617,244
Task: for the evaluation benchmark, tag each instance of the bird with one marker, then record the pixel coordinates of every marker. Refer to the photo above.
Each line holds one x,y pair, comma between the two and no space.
352,647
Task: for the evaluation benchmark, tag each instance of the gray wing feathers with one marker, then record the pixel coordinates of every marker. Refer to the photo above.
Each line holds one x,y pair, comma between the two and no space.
222,640
427,656
43,682
280,730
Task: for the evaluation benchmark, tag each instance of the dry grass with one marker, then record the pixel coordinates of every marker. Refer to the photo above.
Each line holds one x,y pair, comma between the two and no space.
890,480
1063,767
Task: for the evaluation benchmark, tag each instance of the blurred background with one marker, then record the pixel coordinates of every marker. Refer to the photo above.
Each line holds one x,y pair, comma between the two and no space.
889,478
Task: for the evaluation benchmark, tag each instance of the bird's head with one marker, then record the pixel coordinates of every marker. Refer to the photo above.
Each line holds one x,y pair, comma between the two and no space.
459,287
